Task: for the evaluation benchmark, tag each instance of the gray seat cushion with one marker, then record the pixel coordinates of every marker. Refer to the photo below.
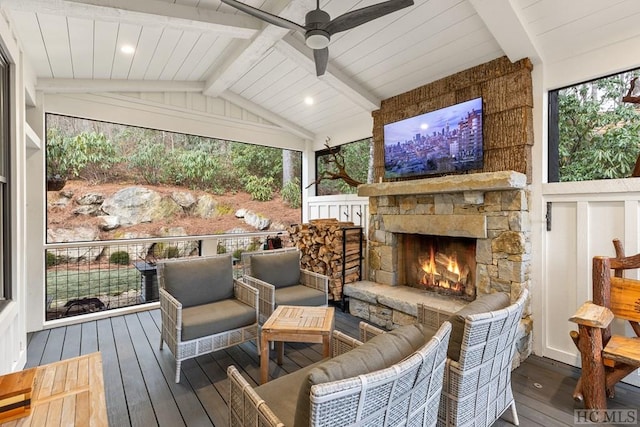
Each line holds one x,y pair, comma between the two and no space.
200,280
272,393
482,304
280,269
300,295
208,319
378,353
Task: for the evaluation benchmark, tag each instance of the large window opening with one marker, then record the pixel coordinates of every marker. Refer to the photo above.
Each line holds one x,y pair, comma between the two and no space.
120,198
593,133
353,159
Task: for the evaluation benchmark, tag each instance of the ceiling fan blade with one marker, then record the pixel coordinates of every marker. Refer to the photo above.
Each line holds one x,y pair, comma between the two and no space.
357,17
321,57
265,16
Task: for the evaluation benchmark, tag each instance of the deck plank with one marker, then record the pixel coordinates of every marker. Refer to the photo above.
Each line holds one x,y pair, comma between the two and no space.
137,397
140,387
117,411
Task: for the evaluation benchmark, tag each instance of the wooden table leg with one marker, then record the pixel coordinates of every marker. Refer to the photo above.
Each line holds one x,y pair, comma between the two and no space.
326,346
593,376
264,360
279,352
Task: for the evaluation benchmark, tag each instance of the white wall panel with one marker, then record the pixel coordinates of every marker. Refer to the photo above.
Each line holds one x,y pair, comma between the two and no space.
586,217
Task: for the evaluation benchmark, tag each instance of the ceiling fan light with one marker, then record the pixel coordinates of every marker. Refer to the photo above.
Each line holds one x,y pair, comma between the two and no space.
317,39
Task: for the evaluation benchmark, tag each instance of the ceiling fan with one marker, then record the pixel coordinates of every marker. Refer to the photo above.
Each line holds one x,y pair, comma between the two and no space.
319,27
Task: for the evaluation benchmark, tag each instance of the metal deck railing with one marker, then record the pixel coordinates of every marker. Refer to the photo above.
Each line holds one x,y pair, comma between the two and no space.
85,277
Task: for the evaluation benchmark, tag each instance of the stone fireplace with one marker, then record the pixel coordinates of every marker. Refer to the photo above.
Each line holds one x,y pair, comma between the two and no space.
481,219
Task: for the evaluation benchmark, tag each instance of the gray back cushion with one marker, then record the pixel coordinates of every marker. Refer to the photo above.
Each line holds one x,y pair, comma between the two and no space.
378,353
280,269
200,280
482,304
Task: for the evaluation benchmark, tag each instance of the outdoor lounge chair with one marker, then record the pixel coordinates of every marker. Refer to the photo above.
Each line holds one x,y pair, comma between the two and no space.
280,280
203,307
477,378
393,380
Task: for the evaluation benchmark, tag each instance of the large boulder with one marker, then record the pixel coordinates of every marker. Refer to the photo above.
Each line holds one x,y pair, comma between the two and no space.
206,207
79,234
257,220
184,198
135,205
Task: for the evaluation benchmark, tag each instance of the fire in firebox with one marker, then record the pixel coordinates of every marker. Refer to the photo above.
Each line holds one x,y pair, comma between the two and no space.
442,271
441,264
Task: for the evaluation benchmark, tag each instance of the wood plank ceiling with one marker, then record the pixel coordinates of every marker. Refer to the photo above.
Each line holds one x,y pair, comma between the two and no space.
209,47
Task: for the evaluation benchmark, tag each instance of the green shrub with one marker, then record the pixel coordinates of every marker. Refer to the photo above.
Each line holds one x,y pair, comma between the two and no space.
221,249
119,257
150,161
292,193
237,254
173,252
260,188
52,259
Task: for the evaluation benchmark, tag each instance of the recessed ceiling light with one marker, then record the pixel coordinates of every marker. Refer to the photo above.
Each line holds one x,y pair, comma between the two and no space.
128,49
308,100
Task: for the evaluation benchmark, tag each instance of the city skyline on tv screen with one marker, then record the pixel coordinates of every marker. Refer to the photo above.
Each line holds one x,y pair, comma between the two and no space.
442,141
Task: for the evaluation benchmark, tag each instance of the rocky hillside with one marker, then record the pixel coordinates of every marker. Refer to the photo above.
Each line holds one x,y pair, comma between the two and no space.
113,211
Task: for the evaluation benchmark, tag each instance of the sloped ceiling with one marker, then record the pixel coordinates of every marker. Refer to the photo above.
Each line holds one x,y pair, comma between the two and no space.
208,47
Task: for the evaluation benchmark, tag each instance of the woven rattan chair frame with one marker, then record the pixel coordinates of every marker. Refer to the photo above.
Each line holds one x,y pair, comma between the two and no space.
477,388
171,314
405,394
267,292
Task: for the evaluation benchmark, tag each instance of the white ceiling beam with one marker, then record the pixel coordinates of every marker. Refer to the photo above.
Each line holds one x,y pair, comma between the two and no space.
105,85
298,52
145,12
240,60
508,28
268,115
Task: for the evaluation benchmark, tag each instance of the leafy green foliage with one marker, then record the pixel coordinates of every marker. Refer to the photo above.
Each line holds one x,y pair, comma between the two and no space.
254,160
119,257
599,135
87,154
291,193
51,259
150,161
260,188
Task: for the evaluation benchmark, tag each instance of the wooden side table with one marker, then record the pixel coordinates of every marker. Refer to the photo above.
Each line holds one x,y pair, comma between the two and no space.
69,392
295,324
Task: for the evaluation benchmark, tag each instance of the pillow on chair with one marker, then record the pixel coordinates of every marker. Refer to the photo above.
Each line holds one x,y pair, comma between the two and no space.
279,269
482,304
199,281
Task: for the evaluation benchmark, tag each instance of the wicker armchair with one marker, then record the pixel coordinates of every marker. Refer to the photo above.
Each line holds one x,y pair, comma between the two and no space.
203,307
477,380
280,280
404,392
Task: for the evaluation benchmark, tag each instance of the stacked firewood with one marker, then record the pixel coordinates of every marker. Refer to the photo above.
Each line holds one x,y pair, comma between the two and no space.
330,247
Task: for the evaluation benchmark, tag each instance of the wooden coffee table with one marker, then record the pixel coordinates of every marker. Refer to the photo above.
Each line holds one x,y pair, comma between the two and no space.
295,324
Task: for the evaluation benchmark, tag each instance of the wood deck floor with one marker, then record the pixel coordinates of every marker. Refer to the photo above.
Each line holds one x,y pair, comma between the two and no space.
140,388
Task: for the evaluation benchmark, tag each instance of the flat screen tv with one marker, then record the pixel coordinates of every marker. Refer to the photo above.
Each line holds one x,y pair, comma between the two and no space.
440,142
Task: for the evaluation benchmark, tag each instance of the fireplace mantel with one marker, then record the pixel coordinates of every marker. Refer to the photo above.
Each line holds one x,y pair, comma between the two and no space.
485,181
